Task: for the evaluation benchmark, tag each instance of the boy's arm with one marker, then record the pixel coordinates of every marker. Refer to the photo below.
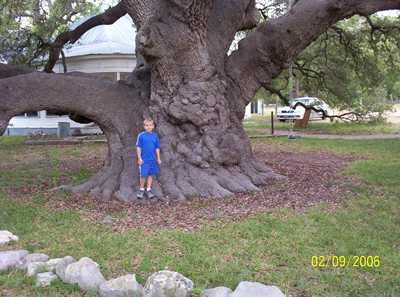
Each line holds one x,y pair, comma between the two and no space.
158,155
139,149
158,149
139,155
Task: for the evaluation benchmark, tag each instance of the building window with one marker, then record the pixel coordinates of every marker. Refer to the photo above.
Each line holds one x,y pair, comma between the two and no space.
31,114
254,107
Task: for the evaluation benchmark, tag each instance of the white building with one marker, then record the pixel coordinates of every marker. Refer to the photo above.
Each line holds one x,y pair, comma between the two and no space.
107,50
256,107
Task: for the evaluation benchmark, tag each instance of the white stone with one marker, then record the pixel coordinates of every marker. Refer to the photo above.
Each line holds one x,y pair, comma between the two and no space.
34,268
217,292
168,284
124,286
252,289
85,273
6,237
10,259
44,279
62,265
52,264
35,257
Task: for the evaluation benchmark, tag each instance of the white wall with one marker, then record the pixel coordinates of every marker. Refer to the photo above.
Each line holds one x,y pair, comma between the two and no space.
98,63
260,108
42,121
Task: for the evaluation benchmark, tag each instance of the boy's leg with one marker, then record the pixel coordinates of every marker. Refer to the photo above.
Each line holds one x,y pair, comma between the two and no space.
149,193
142,182
149,182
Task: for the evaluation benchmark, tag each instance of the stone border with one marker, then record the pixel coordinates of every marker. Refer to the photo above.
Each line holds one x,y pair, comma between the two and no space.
87,275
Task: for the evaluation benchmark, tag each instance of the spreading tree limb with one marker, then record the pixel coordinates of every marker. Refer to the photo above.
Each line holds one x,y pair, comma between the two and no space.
7,70
110,16
93,98
347,116
141,10
265,52
118,109
277,92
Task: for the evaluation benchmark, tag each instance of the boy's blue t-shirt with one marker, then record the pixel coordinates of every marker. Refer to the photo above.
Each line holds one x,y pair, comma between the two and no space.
148,142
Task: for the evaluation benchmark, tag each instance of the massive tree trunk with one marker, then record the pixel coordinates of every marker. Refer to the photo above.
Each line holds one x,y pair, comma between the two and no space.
195,93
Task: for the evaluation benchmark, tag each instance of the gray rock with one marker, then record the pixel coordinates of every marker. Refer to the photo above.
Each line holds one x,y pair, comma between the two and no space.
6,237
62,265
217,292
85,273
168,284
45,279
10,259
32,258
252,289
52,264
108,220
34,268
124,286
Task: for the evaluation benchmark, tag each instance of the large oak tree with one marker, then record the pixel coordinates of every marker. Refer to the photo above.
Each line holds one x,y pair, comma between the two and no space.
187,83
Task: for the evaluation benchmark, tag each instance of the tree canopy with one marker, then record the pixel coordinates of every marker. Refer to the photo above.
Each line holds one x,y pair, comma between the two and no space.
27,27
354,64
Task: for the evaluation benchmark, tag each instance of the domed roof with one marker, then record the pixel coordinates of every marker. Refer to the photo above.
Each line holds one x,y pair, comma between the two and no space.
117,38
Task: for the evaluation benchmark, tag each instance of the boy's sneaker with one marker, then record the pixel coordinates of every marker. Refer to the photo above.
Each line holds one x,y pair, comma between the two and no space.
150,194
140,194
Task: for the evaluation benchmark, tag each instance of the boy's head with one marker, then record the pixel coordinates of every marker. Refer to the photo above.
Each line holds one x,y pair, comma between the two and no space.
148,125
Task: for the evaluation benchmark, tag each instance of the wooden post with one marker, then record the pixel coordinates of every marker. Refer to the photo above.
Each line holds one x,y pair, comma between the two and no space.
272,123
303,123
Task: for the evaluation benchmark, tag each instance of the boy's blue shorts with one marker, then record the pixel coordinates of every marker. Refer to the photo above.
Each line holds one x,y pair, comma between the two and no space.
149,169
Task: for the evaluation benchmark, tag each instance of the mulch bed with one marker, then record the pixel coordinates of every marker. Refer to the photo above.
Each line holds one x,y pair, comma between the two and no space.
313,177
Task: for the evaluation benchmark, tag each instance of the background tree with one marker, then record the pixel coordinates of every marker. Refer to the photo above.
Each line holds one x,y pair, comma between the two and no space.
354,65
195,92
28,27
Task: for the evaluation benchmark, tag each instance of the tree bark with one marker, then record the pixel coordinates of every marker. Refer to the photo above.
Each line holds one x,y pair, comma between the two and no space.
195,93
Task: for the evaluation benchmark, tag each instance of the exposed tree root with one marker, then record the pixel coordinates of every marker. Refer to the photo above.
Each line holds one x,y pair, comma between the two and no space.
120,180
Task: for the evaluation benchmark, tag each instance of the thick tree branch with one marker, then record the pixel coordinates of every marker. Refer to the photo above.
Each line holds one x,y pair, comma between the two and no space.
101,101
141,10
264,53
117,108
277,92
347,116
226,19
7,70
252,16
108,17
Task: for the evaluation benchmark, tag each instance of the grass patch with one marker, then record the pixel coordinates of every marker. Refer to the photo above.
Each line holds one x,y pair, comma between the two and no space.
7,141
257,125
274,248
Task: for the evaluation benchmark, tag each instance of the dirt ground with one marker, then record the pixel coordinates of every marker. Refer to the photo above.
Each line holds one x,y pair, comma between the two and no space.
313,177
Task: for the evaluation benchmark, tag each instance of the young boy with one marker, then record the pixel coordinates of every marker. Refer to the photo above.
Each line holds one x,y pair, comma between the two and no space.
148,153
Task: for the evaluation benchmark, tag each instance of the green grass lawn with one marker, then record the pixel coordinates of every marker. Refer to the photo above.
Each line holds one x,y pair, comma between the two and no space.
257,125
272,248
